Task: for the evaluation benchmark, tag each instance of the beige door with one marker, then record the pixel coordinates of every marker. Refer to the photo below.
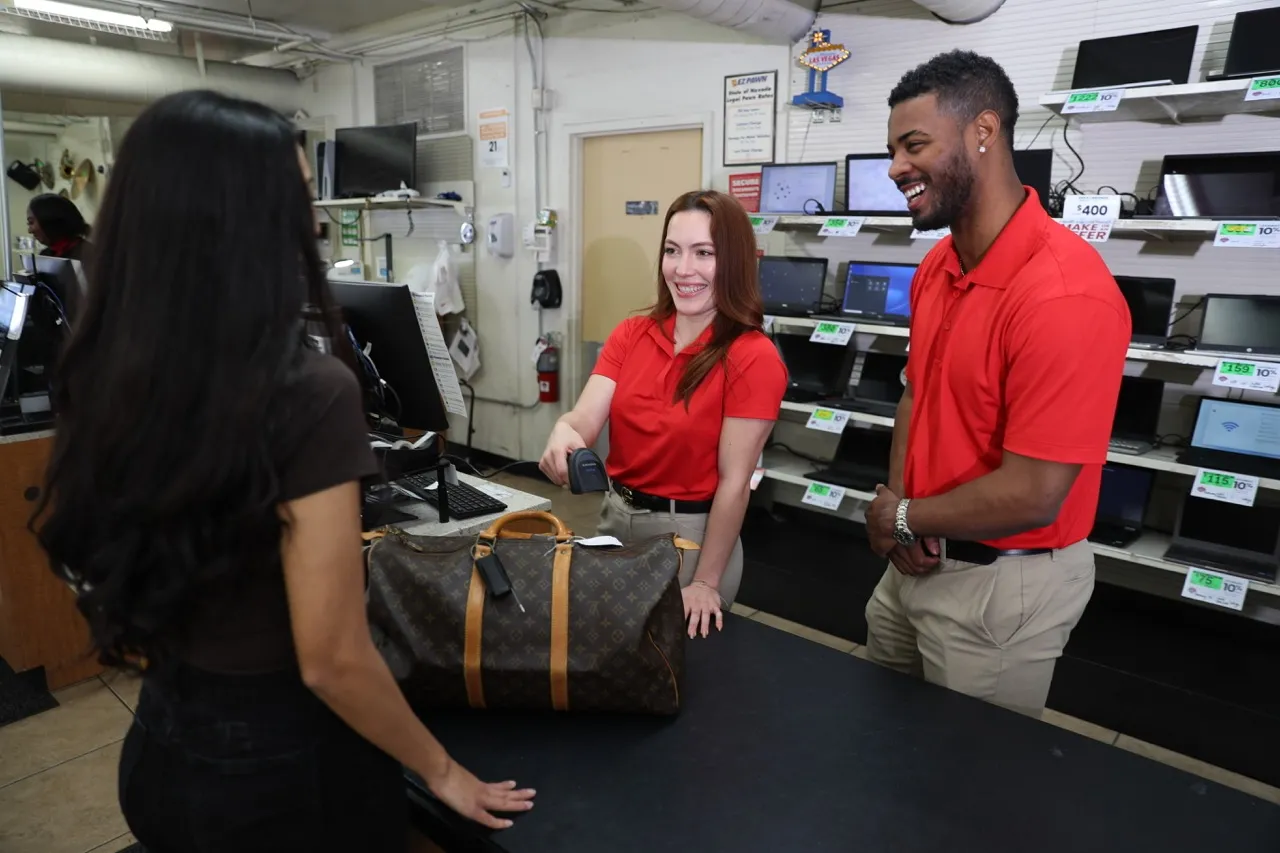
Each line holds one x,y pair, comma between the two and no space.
620,249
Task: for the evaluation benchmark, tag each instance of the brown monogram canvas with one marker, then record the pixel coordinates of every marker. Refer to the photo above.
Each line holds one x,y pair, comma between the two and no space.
625,628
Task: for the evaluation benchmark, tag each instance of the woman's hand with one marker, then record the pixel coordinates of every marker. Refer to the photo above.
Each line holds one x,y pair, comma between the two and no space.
701,602
458,789
555,459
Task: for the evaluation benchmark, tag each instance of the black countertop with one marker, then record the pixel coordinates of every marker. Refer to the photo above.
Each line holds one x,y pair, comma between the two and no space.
786,745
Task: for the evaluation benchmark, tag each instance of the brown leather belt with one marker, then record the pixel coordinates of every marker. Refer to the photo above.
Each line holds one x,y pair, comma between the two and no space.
639,500
985,555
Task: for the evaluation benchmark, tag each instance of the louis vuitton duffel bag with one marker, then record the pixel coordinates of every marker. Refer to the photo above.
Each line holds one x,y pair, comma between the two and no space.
581,628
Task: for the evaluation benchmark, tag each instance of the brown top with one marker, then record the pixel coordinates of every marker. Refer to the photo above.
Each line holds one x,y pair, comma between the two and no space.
242,625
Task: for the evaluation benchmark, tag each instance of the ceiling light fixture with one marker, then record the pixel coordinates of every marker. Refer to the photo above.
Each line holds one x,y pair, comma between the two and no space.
56,10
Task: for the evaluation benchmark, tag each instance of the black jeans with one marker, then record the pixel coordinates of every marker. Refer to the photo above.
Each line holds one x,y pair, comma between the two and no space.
254,764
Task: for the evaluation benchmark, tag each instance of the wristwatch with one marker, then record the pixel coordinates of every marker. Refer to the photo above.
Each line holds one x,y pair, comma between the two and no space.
901,532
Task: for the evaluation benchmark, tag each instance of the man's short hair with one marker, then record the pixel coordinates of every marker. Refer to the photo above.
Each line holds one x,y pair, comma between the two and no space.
965,84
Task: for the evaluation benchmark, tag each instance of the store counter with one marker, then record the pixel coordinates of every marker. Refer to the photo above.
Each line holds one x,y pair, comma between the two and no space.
430,525
786,745
39,623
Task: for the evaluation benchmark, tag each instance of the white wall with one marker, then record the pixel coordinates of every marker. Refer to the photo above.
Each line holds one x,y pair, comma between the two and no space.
83,139
599,67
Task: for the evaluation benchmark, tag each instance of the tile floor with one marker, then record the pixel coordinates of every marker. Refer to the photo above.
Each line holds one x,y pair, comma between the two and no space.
58,769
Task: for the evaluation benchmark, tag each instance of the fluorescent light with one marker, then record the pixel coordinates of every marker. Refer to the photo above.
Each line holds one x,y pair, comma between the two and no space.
342,265
69,10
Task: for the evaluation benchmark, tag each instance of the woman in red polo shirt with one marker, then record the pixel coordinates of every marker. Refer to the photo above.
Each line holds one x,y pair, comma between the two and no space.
691,391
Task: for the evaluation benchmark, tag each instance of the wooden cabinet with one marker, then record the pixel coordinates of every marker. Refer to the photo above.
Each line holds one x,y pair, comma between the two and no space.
39,622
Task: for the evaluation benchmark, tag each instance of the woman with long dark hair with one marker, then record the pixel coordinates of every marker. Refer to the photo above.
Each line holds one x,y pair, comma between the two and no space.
203,498
690,391
58,225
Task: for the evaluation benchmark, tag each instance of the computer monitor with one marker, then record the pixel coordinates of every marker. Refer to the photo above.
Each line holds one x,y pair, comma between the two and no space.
1219,186
1138,409
881,377
797,188
1162,56
67,280
1245,539
878,291
1247,324
792,286
815,370
869,191
1237,426
1254,50
1035,169
1122,498
382,317
1150,303
376,159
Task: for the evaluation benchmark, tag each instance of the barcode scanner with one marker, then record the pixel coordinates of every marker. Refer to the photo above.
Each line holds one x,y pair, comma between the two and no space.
586,472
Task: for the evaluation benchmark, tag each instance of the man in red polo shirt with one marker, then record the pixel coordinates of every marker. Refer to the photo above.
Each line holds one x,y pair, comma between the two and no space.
1018,342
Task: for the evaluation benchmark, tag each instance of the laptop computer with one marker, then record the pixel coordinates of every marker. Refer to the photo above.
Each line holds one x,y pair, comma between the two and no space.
1134,430
1235,435
1150,303
861,460
1239,540
1218,186
878,293
792,286
1239,324
1253,50
1122,504
797,188
1137,59
815,371
1035,169
868,190
879,386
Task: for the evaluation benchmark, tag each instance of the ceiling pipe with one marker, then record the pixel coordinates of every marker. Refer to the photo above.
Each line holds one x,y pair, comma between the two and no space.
31,128
72,70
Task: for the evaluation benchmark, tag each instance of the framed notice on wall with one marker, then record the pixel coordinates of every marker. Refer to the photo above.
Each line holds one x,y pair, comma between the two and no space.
750,108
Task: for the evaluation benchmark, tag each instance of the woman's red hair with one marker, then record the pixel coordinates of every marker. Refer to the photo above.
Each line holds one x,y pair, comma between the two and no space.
736,288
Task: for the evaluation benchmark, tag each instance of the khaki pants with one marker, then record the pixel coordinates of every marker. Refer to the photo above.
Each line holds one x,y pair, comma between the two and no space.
993,632
635,525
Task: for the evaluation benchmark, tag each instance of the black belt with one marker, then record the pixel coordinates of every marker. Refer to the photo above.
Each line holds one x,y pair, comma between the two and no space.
653,503
985,555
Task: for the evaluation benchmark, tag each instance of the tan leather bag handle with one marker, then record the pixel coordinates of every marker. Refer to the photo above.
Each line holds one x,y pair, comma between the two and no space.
558,528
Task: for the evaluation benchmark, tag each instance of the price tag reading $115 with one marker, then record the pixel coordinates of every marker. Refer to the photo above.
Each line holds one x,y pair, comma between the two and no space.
1226,487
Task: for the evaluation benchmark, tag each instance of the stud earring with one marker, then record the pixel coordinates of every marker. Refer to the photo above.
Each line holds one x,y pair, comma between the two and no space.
982,149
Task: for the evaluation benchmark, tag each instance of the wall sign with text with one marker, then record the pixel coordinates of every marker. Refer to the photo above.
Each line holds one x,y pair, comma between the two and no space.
750,110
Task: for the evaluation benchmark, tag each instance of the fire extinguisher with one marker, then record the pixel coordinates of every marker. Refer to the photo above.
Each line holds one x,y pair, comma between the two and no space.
549,375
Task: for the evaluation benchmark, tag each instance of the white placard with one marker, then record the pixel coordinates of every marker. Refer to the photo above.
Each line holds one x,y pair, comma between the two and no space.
1249,375
492,129
1225,486
1093,230
767,325
1215,588
1091,208
828,332
756,476
763,224
424,305
828,420
1248,235
841,226
824,496
1263,88
1101,101
935,234
749,110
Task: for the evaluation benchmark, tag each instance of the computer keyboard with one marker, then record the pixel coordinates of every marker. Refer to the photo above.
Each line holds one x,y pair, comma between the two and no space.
465,501
1130,446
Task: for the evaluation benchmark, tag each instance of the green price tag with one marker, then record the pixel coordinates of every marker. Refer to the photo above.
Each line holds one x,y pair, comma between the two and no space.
1238,368
819,489
1212,478
757,221
823,414
1206,580
1238,229
828,328
835,223
1083,98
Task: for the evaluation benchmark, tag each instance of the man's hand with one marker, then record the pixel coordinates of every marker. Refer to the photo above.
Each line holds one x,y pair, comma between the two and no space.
914,560
881,519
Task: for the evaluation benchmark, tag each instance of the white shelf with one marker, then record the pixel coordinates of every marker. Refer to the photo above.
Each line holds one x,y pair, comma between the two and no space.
785,468
1164,459
1141,229
461,208
1149,550
861,417
858,328
1176,103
